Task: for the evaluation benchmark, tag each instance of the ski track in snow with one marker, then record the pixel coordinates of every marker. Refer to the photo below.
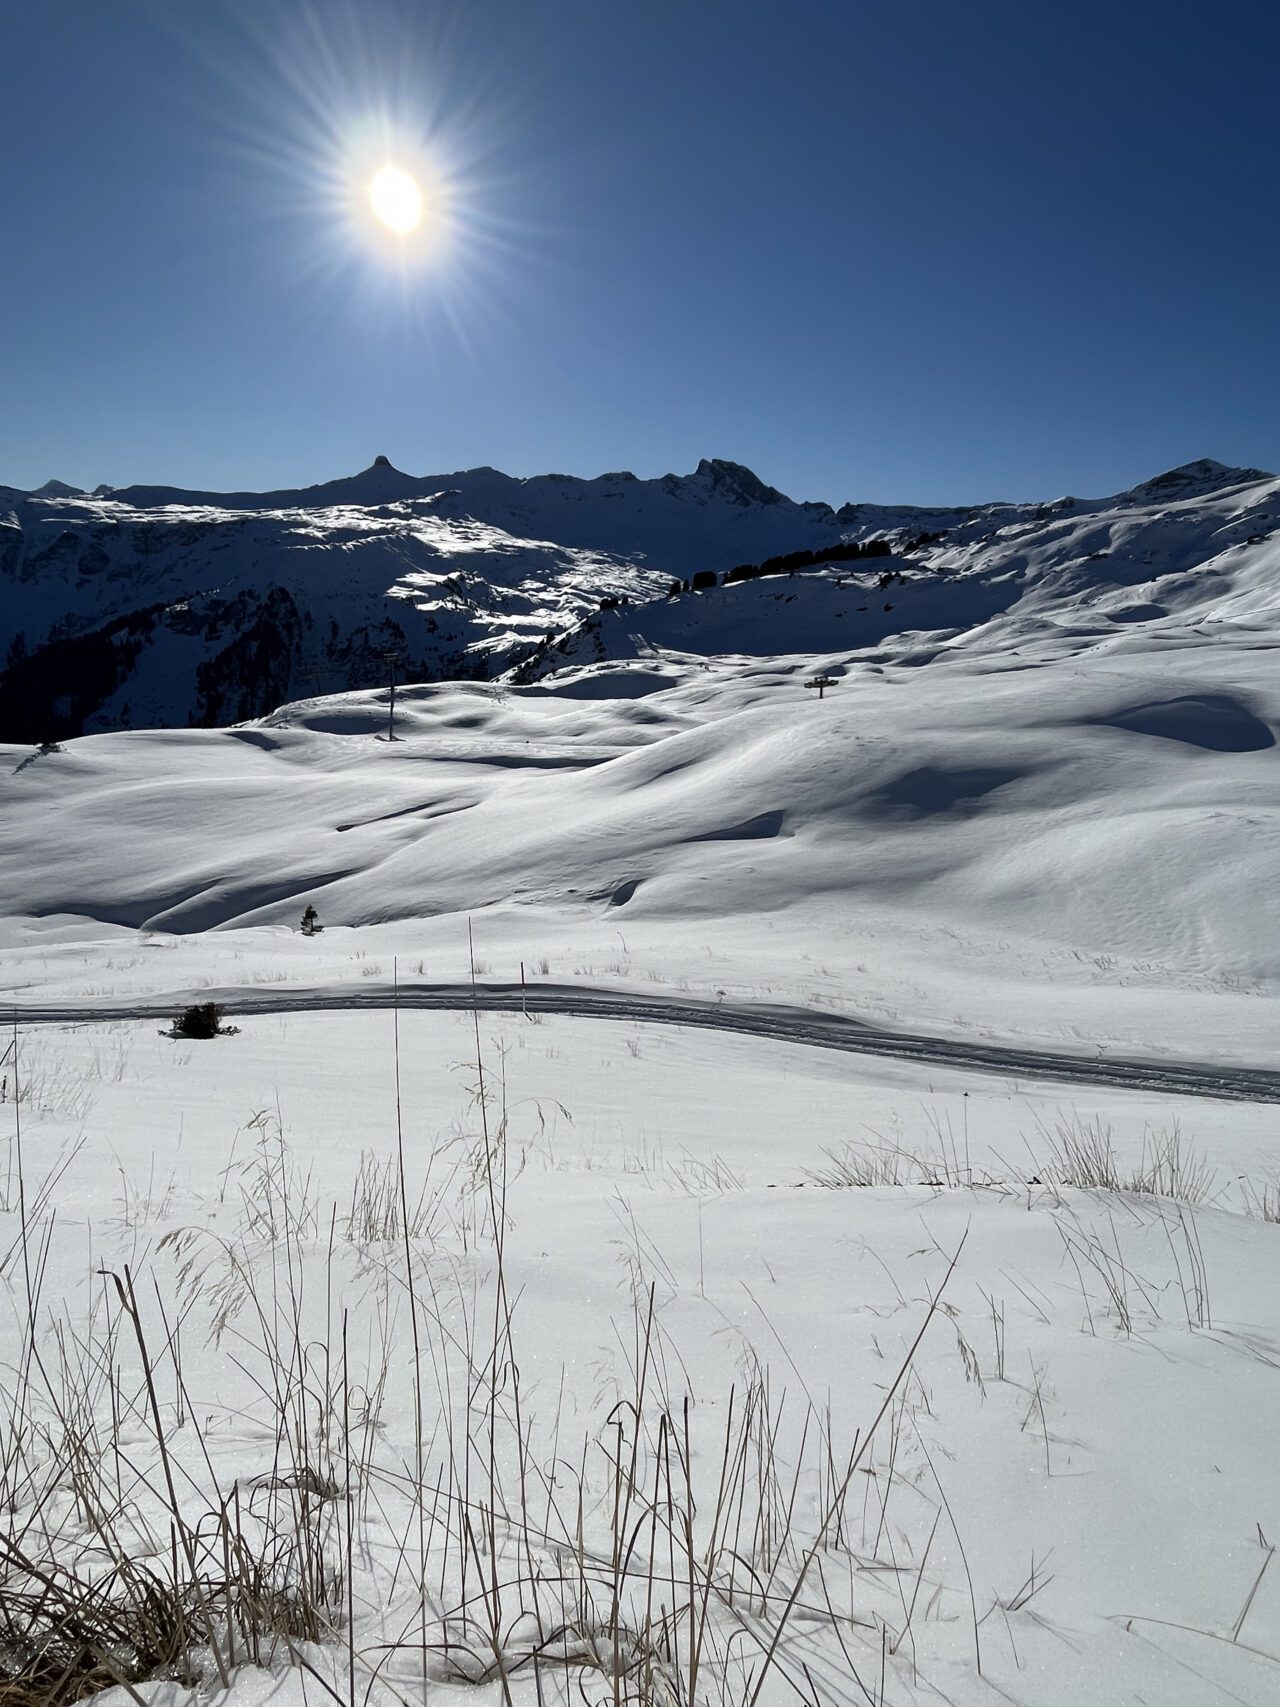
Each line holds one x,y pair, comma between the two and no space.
784,1024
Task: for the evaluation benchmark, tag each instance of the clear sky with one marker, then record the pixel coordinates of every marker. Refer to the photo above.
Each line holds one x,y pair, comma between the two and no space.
895,250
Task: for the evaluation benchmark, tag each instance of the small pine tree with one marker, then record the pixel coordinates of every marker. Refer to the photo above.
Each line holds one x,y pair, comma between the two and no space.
203,1019
310,921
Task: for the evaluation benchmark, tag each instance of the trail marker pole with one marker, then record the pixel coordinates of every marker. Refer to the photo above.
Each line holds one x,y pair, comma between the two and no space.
392,659
822,683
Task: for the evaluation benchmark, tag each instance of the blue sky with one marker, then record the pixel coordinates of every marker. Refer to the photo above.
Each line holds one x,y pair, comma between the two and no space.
908,250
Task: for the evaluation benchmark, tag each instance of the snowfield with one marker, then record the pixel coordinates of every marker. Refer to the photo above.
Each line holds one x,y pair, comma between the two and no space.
748,1197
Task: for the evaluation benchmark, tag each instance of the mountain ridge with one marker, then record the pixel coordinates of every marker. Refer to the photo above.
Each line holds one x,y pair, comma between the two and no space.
718,472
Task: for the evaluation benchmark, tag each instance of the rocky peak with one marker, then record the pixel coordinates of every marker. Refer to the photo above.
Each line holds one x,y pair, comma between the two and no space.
731,480
57,489
1191,478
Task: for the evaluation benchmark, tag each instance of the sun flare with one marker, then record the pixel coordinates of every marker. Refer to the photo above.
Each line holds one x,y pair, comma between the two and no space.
396,200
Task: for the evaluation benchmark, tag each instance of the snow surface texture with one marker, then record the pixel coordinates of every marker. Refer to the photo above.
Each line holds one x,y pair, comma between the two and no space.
1036,811
1066,844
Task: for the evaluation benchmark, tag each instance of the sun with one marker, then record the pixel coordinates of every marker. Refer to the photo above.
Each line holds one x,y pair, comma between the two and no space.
396,200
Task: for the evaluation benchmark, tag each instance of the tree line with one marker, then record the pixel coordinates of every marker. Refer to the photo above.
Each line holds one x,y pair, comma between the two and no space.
843,551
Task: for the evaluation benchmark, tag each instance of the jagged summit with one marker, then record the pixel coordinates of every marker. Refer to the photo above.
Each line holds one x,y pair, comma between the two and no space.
737,482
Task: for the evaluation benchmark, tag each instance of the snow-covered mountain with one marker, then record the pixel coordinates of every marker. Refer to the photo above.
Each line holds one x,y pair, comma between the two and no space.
150,606
1201,543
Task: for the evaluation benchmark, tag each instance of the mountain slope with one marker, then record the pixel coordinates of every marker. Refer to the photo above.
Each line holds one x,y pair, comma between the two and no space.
1200,544
151,606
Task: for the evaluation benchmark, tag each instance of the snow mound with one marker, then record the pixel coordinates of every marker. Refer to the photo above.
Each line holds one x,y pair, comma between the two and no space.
1216,723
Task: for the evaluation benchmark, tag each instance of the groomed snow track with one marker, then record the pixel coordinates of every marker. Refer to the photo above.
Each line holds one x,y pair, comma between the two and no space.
786,1025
